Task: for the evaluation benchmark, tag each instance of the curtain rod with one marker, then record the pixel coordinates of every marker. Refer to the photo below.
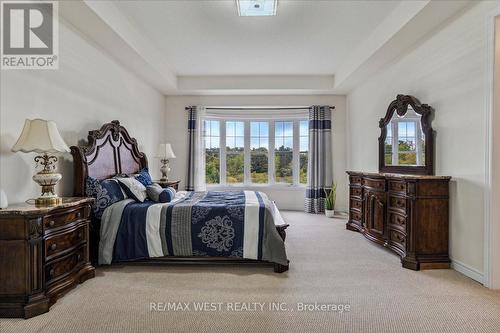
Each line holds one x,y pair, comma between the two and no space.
260,108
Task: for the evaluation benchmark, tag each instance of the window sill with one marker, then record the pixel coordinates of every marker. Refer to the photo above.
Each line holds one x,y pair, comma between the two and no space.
257,187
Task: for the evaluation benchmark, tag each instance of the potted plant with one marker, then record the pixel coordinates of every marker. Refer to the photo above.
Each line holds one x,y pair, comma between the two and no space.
330,198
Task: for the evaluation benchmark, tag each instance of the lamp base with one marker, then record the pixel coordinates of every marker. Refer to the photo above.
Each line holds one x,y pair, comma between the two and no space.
49,201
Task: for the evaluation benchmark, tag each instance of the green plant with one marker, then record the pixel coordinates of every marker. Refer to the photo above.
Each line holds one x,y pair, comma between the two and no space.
331,197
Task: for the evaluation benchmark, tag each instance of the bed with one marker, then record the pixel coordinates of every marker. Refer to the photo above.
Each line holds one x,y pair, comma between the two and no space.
231,227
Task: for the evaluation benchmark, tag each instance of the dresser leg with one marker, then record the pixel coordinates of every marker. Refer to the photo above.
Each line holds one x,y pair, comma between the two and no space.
410,263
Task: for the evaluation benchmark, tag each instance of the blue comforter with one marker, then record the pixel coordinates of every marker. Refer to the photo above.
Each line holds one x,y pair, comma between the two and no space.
239,224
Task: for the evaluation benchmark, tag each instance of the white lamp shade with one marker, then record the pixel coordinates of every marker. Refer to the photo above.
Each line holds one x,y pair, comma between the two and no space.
40,136
165,151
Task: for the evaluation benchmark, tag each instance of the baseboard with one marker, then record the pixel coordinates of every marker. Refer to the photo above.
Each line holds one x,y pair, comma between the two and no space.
473,273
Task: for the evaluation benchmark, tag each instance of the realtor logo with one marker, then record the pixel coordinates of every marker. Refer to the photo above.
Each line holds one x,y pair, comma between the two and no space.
29,38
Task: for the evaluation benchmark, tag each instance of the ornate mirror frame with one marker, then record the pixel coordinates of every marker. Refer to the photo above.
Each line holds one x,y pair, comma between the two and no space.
400,106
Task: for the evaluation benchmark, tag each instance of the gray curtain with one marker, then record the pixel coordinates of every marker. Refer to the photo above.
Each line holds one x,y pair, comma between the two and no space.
191,148
319,165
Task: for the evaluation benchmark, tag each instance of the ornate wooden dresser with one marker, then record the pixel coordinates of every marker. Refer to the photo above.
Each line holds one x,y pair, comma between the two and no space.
44,252
405,213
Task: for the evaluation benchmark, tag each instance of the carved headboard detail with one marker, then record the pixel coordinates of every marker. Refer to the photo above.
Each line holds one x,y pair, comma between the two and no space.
110,151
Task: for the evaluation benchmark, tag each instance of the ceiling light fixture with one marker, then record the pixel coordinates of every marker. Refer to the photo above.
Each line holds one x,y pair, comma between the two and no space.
257,7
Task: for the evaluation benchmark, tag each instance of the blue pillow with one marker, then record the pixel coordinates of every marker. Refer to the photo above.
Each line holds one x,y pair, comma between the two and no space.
105,192
158,194
144,177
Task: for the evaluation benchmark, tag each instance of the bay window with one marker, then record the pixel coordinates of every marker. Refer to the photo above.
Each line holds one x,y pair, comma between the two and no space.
256,152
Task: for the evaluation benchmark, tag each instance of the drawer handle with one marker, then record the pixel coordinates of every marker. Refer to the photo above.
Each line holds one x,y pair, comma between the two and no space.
51,272
52,223
78,215
79,236
78,257
53,246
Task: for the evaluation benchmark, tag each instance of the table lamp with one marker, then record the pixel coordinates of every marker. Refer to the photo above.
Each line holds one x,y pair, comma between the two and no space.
165,152
41,136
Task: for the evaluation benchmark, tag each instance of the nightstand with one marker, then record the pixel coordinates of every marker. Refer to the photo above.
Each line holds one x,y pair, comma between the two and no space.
170,183
44,252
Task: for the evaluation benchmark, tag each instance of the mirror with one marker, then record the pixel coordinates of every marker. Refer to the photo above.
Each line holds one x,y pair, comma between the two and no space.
406,137
405,141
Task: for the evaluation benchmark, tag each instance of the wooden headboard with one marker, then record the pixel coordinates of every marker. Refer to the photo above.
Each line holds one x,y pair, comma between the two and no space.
110,151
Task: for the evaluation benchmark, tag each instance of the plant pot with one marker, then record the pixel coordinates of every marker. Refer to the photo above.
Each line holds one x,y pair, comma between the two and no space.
329,213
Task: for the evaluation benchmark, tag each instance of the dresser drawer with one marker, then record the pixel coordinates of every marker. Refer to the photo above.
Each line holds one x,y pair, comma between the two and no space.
397,186
60,243
355,180
397,203
356,192
374,183
398,239
55,221
65,265
355,204
355,216
397,220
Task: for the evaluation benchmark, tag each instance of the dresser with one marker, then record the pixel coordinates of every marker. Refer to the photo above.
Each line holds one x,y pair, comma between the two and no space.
408,214
44,252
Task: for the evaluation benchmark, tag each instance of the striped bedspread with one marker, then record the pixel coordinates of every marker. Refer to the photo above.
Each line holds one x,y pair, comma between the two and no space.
238,224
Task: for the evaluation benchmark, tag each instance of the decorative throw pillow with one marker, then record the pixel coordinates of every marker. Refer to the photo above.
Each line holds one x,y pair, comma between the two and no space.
133,188
105,192
159,194
144,177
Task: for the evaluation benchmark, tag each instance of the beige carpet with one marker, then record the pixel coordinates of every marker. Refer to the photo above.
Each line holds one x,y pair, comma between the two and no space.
329,265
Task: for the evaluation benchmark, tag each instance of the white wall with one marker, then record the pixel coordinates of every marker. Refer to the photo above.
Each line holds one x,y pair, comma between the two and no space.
176,134
494,232
88,90
448,72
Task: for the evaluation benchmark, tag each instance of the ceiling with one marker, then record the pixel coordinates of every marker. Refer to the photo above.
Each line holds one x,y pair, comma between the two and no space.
209,38
310,47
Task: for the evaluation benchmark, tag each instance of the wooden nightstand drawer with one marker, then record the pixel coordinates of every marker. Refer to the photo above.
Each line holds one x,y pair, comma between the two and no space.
58,220
58,244
65,265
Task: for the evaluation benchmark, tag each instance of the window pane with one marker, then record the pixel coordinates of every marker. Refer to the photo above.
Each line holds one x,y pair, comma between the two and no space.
402,129
289,142
254,143
230,128
264,143
410,131
278,128
239,128
215,140
212,166
283,163
304,144
304,128
259,168
240,142
214,128
279,143
288,128
254,128
303,167
264,129
234,168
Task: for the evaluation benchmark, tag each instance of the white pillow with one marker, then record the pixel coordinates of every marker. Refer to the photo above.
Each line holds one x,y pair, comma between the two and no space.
133,188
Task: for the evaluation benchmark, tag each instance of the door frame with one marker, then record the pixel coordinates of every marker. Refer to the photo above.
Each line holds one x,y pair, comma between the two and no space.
491,278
